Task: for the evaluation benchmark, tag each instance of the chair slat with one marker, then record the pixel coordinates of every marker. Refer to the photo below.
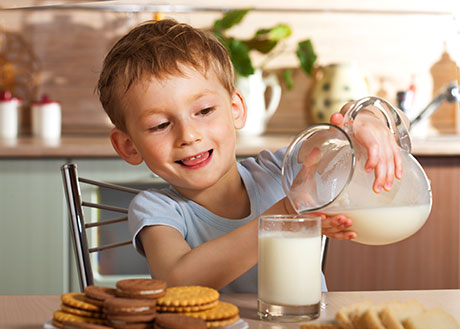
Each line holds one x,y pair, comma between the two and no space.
109,246
108,185
106,222
104,207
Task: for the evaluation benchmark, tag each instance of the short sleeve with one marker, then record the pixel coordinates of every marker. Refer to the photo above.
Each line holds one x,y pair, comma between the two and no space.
154,207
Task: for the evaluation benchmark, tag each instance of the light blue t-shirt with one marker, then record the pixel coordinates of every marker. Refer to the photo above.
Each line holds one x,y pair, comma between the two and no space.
262,178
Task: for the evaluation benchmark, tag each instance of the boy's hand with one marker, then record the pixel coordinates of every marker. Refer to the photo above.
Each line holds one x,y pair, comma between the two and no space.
383,153
337,227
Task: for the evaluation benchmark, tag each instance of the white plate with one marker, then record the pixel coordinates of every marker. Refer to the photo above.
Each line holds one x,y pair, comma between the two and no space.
240,324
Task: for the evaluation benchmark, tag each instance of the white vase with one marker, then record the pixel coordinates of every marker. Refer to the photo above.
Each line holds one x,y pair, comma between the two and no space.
259,112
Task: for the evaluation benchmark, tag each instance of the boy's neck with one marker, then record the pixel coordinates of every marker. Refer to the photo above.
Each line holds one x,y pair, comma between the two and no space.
228,198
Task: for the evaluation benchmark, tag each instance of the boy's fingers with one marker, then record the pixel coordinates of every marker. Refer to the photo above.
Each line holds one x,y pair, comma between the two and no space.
337,119
344,235
390,170
372,157
380,177
397,162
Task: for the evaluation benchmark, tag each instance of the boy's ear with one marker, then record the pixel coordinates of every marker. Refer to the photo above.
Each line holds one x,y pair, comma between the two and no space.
122,143
239,110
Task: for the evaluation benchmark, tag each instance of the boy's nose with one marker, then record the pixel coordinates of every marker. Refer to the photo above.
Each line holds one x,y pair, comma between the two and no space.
188,134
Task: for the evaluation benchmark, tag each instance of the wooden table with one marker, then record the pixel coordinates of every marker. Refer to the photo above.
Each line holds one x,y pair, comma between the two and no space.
32,311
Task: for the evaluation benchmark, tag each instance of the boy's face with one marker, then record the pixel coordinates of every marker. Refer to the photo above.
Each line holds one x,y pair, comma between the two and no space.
183,128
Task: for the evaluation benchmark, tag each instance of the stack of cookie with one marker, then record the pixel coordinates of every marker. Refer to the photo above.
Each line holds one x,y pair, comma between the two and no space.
198,302
74,308
135,303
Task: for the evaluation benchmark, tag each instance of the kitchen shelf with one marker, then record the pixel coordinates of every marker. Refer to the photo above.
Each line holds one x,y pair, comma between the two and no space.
151,6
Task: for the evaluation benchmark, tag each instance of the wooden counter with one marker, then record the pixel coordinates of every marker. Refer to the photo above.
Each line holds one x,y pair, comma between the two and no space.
99,146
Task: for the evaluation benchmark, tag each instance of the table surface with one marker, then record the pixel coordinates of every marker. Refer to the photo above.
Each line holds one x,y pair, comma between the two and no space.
32,311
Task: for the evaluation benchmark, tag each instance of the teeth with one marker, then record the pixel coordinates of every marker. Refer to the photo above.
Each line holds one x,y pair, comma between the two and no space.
196,157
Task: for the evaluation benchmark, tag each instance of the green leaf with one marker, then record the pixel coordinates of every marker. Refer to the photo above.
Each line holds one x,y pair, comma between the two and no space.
287,77
276,33
239,55
230,19
306,55
265,40
263,46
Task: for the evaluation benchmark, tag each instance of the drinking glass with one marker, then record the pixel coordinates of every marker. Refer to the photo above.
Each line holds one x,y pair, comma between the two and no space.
289,284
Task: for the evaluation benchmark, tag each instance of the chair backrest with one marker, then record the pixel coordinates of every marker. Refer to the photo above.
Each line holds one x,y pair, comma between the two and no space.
78,224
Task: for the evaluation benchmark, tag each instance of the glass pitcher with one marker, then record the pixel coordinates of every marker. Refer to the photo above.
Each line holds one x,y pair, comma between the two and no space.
323,171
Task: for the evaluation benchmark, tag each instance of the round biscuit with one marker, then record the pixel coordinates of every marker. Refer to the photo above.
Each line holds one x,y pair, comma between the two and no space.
137,325
222,311
130,318
185,309
178,321
141,288
76,299
77,311
188,296
222,323
82,325
118,305
61,316
99,292
57,323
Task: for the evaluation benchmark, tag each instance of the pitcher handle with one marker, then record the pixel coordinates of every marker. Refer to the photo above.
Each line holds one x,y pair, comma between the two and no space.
393,119
272,82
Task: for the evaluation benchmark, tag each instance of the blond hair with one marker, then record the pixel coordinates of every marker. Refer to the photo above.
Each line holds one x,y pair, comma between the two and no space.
156,49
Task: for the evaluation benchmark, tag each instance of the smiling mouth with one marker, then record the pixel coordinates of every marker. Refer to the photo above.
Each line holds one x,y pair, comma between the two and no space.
196,160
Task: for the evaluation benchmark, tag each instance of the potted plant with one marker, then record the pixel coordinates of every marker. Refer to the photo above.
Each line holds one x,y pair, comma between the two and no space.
264,41
249,79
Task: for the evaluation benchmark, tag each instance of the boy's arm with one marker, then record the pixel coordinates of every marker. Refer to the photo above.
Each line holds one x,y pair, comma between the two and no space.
384,157
218,262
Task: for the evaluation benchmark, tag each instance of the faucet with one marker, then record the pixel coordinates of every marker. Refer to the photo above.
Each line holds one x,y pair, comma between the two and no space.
449,93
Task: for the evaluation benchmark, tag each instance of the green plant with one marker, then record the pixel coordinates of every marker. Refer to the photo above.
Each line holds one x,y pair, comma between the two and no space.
263,41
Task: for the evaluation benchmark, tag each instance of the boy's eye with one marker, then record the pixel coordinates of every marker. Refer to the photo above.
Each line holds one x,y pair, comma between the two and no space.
206,111
160,127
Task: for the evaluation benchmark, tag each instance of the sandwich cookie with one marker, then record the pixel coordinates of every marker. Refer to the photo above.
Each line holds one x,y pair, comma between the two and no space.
96,295
177,321
141,288
129,313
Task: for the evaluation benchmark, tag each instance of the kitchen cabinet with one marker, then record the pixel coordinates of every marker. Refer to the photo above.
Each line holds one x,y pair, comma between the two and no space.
36,254
34,243
428,260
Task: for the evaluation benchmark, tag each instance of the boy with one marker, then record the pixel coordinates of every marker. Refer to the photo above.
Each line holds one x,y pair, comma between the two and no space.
168,88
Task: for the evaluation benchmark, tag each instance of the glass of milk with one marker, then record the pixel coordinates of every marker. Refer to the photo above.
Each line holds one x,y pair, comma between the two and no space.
289,283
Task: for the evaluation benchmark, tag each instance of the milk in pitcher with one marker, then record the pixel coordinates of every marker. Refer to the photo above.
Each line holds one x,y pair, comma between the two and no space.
385,225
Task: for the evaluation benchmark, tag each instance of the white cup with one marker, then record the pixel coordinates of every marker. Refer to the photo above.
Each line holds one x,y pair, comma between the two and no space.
9,116
289,267
46,119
